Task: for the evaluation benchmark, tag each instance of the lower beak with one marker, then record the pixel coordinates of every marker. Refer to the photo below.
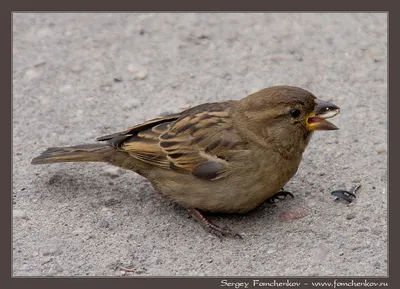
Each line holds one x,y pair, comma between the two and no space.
323,110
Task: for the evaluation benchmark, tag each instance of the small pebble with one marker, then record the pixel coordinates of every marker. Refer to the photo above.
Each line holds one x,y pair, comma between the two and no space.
104,224
114,265
138,72
44,32
55,269
78,231
321,251
106,86
361,247
51,249
131,103
76,68
39,63
25,267
32,73
159,261
121,273
362,230
112,172
65,88
350,216
228,260
381,151
376,231
142,74
19,214
55,179
47,260
111,202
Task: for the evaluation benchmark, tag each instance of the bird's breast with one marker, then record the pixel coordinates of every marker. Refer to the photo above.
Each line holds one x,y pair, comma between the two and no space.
249,184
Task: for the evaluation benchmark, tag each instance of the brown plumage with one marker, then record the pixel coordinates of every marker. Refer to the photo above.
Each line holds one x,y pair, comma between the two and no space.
221,157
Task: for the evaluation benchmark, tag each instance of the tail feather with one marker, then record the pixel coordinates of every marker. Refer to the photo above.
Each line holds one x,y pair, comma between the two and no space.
79,153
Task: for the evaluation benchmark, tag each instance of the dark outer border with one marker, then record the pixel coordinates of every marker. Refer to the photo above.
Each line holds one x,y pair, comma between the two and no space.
173,5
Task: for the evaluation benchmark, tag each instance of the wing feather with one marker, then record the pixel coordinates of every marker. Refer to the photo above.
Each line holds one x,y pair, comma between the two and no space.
198,141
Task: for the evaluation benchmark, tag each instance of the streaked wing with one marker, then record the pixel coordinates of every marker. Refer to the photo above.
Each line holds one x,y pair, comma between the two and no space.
116,139
199,141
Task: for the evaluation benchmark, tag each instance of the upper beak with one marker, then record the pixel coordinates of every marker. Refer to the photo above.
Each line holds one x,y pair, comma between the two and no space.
323,110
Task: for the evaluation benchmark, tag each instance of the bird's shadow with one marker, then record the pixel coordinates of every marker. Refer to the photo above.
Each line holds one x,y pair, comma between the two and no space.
65,186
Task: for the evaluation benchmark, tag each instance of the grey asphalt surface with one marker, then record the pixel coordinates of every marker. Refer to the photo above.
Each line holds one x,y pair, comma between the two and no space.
80,76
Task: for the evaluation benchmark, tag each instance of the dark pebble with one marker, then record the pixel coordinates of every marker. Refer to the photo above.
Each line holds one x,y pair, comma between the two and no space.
104,224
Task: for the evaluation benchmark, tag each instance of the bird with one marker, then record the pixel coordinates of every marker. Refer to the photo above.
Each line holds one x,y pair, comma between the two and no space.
220,157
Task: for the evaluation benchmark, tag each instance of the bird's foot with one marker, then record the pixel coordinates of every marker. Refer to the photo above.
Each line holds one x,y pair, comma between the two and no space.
281,195
212,228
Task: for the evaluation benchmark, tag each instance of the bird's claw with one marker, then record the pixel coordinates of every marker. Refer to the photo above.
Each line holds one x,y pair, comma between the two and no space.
223,232
281,195
214,229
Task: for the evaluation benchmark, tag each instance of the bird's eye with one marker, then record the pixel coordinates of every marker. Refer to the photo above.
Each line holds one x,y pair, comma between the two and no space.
294,112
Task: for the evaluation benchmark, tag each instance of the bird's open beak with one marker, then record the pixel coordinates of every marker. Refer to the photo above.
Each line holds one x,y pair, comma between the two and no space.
323,110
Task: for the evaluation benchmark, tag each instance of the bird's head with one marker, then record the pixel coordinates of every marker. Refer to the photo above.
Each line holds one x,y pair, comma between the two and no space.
284,116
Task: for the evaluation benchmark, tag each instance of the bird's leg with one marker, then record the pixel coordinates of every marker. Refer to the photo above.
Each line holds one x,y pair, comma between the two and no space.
281,195
212,228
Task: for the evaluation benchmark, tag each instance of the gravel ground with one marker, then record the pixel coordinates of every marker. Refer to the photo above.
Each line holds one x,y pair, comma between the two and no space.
79,76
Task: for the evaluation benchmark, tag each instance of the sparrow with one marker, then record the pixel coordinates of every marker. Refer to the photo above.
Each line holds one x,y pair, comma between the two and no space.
222,157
